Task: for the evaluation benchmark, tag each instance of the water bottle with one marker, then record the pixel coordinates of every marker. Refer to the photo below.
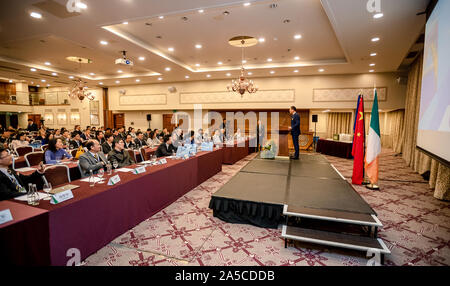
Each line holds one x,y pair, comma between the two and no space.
30,195
91,179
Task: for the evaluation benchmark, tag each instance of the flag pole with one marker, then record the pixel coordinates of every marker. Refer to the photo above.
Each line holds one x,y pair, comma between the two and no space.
369,185
364,182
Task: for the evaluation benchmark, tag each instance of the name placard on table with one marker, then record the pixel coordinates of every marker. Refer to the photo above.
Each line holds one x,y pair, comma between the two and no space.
113,180
139,170
5,216
61,197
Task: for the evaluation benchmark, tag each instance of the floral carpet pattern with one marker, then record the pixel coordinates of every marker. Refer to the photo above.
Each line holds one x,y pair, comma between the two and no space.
416,228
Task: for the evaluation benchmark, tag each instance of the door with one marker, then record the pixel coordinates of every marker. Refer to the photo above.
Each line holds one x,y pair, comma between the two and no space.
14,120
119,120
167,122
36,119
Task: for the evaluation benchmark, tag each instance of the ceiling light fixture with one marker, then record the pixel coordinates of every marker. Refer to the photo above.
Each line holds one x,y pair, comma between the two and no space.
247,4
161,17
201,11
43,80
228,74
100,83
125,23
296,71
219,63
160,78
79,90
92,73
376,39
10,81
296,58
104,43
373,54
141,58
117,81
249,73
272,72
71,77
47,64
208,75
186,77
297,37
242,84
261,40
378,15
321,70
33,69
54,74
120,71
81,5
171,49
197,65
372,65
371,70
198,46
269,59
167,69
138,80
244,61
36,15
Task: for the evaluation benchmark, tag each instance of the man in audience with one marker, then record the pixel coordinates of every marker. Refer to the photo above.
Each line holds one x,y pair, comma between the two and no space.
115,133
76,141
31,126
20,141
66,137
119,155
108,145
190,139
5,139
147,134
166,148
100,137
86,135
77,130
92,160
129,144
122,133
199,137
139,141
12,184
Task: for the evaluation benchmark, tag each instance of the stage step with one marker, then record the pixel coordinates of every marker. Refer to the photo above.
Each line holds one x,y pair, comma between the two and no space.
334,216
348,241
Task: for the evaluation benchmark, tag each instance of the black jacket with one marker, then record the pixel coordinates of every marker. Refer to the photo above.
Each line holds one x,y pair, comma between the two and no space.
32,127
123,158
75,144
139,143
8,189
295,124
130,145
163,151
106,148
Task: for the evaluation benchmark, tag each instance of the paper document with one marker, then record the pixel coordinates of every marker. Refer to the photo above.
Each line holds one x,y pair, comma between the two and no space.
124,170
96,179
24,197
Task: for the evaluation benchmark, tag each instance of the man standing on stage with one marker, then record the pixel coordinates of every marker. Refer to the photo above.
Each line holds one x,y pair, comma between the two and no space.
295,130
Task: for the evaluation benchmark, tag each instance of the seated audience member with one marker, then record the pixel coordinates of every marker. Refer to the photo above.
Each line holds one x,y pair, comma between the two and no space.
166,148
199,136
31,126
56,153
86,135
92,160
190,139
41,135
153,140
217,138
238,134
139,141
115,133
57,133
132,132
11,183
147,134
66,137
100,137
120,155
77,130
49,136
129,144
108,145
2,129
20,141
75,143
5,139
122,133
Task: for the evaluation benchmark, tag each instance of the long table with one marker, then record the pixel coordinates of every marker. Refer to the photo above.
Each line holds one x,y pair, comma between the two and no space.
335,148
237,151
97,215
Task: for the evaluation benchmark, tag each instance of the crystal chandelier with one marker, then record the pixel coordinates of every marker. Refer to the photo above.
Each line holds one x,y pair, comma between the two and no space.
242,84
79,90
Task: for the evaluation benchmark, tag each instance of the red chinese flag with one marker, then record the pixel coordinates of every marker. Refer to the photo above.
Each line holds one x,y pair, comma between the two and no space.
358,146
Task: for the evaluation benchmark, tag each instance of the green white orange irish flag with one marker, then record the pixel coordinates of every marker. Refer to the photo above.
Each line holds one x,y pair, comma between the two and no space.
373,143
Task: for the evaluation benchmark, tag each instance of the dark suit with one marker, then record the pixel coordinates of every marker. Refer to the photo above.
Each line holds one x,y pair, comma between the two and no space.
260,132
123,158
32,127
130,145
8,189
106,148
295,125
140,143
88,163
163,151
76,144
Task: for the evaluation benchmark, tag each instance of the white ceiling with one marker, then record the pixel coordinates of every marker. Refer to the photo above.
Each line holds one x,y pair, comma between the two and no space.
336,36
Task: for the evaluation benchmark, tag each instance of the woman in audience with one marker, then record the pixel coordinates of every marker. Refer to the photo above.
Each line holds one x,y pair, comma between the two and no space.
41,135
20,141
238,135
217,138
49,136
55,152
132,133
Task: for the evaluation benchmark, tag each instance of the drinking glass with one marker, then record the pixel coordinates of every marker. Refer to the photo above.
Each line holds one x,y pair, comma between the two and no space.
100,173
109,169
47,188
115,164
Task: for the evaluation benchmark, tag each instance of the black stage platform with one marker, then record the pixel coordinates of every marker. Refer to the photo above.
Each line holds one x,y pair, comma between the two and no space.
326,209
258,193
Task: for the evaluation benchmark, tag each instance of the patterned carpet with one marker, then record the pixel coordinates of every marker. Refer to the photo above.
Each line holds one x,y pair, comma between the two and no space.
416,228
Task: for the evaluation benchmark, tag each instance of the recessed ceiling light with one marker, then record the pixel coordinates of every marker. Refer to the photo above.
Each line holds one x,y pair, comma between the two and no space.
373,54
219,63
33,69
198,46
92,73
378,15
104,43
261,40
376,39
138,80
197,65
272,72
47,64
171,49
208,75
48,85
81,5
371,70
43,80
125,23
244,61
296,58
201,11
247,4
160,78
38,85
142,58
71,77
117,81
10,80
249,73
32,82
36,15
372,65
269,59
296,71
120,71
297,37
186,77
167,69
321,70
100,83
228,74
161,17
54,74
